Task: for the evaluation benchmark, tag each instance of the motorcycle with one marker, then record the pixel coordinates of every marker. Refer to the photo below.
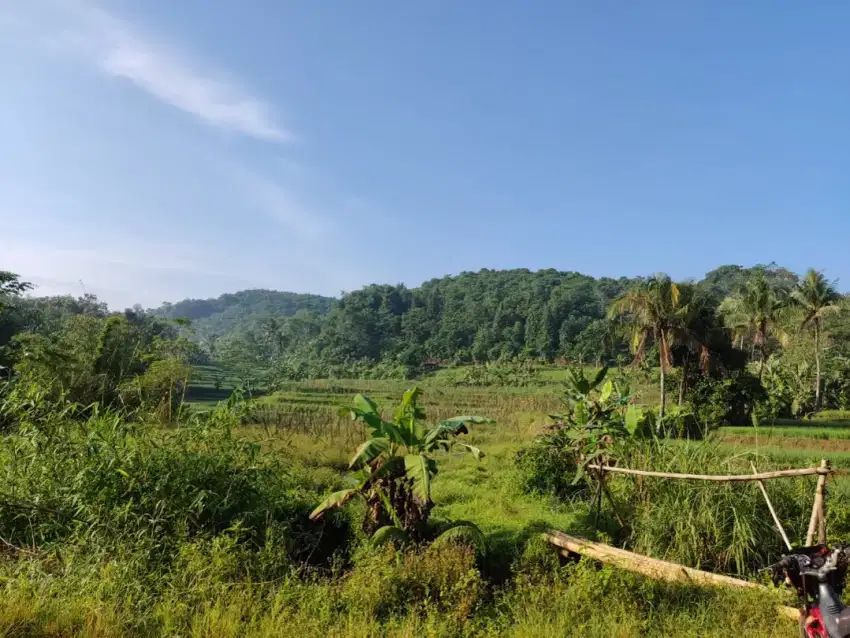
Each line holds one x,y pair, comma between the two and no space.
817,573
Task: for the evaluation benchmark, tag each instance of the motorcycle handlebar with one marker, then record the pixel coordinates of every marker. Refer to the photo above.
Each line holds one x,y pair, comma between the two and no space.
817,561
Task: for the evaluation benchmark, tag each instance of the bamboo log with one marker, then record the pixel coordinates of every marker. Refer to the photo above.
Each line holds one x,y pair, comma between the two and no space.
652,567
772,511
730,478
663,570
818,509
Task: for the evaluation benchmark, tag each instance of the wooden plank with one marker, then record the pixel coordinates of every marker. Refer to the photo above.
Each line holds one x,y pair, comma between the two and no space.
730,478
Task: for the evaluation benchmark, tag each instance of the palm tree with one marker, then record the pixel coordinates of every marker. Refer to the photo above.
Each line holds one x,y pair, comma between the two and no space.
696,334
817,298
654,311
756,311
735,318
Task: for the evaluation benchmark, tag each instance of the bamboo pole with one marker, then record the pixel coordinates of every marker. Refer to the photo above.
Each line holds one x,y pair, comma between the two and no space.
772,511
822,512
818,509
652,567
600,477
730,478
613,505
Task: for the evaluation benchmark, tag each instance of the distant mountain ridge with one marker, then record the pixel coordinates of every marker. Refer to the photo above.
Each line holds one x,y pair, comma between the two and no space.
221,315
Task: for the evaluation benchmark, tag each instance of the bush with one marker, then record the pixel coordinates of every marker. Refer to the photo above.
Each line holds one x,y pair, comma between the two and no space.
110,484
680,423
726,401
548,470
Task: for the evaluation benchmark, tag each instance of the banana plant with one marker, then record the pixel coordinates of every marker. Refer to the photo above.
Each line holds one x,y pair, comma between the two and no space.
396,464
600,418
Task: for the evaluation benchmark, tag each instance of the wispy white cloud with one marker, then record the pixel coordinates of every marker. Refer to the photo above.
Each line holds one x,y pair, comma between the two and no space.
245,222
123,50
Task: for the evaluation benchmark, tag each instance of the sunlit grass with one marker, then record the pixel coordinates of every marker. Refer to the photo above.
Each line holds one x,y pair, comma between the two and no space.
526,591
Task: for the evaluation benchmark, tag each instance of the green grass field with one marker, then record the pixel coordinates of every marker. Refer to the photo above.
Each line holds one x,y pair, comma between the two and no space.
519,588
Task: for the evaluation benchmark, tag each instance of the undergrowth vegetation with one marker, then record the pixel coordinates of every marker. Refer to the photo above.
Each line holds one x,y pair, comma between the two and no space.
112,526
118,527
716,526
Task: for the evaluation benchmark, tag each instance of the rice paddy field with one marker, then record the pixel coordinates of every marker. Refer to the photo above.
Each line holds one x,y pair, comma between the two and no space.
304,416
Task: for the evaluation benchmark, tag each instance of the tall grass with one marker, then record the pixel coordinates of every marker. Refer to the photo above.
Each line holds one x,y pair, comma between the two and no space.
110,527
109,484
723,527
385,593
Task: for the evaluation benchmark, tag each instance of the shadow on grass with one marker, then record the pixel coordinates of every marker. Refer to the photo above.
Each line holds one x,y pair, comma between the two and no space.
505,547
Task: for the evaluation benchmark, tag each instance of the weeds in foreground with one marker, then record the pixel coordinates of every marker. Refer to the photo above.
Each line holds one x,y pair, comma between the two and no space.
385,593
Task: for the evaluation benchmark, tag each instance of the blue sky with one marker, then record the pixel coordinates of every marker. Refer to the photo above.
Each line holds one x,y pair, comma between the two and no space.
155,149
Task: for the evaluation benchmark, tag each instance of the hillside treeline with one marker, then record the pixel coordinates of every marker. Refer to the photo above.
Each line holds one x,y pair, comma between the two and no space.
482,317
75,351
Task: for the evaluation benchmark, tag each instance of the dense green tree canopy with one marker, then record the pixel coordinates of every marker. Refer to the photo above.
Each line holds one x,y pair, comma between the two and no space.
232,311
718,324
482,316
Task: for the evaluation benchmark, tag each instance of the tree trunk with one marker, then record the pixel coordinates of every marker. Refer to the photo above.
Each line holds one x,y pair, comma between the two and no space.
663,390
817,364
682,382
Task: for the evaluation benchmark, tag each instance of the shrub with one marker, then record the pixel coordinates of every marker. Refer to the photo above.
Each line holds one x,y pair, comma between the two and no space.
727,401
112,484
159,390
680,423
548,470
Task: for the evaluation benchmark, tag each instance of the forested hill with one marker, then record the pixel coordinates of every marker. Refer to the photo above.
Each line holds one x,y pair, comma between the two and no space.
475,316
483,316
222,315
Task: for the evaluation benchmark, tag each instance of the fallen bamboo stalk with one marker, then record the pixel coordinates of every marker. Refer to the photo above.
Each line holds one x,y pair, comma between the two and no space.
652,567
772,511
808,471
671,572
